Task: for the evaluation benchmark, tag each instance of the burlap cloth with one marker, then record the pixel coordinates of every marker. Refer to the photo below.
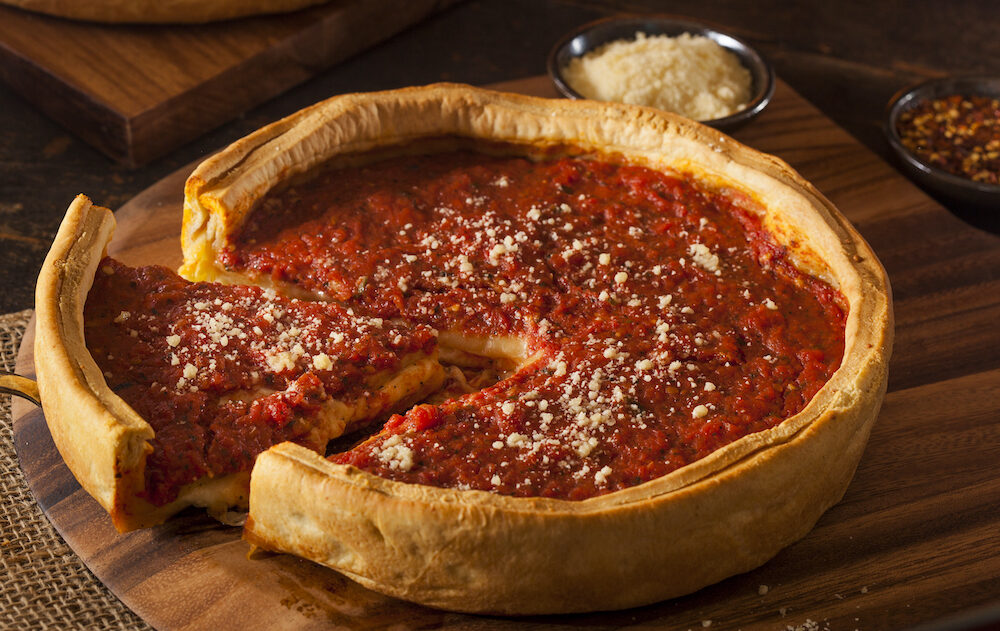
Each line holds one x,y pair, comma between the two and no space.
44,584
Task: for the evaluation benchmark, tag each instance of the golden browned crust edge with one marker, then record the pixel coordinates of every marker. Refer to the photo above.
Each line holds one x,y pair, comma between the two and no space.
158,11
481,552
102,440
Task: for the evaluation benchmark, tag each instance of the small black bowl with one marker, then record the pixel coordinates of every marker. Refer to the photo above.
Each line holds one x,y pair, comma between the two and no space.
948,185
595,34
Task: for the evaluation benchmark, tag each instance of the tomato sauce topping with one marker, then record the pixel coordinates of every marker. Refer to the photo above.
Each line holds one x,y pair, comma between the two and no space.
664,321
224,372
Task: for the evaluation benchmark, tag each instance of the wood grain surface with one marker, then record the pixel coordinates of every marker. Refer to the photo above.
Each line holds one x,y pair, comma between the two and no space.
915,539
137,91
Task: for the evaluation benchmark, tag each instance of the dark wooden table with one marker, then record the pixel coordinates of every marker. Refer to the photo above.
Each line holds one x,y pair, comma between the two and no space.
847,58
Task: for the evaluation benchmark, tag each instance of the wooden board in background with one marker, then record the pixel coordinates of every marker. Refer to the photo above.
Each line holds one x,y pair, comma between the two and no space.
137,91
916,538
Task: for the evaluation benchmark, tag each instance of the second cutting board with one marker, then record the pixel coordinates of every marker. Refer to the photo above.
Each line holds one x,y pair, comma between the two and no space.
136,92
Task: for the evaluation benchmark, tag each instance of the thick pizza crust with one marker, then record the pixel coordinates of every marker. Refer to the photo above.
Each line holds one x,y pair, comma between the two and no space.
159,11
103,441
481,552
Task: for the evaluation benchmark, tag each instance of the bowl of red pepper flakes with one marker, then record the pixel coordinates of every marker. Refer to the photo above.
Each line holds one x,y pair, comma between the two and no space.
946,133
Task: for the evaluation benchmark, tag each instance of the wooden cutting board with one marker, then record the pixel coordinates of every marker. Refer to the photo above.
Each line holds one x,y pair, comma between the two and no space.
916,538
137,91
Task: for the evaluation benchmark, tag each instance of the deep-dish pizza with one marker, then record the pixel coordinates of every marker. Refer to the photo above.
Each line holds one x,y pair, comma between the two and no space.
611,356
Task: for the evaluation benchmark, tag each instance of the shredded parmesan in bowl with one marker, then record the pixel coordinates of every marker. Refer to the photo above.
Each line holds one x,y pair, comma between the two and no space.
690,75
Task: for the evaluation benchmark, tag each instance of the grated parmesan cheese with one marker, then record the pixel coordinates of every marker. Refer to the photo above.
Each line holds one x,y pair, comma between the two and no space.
690,75
322,362
396,454
280,362
703,257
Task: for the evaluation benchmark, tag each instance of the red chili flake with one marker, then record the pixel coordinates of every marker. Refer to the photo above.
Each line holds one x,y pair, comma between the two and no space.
958,134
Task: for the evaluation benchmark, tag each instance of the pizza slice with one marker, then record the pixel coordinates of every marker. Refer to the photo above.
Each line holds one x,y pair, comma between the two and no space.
197,379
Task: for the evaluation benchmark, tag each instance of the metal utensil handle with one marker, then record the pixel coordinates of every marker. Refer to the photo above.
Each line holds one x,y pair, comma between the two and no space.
21,386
